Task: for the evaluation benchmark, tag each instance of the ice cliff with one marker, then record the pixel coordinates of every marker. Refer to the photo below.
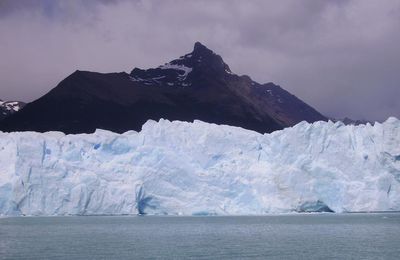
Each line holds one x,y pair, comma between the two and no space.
199,168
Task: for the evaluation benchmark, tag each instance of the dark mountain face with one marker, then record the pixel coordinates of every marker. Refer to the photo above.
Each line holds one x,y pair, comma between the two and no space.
9,107
198,85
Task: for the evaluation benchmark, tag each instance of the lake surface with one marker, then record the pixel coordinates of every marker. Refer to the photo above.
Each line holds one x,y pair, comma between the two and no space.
301,236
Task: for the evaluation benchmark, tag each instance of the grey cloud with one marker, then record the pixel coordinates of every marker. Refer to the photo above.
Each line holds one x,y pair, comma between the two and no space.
340,56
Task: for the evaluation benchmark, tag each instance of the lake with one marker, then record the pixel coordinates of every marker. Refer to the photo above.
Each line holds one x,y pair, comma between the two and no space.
296,236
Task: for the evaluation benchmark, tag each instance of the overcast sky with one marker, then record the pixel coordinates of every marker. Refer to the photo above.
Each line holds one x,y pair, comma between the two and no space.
340,56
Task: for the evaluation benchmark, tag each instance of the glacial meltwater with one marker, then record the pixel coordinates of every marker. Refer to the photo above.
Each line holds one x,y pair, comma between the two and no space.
297,236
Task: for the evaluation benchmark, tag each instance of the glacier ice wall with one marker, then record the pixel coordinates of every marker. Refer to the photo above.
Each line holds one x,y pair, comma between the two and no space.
200,168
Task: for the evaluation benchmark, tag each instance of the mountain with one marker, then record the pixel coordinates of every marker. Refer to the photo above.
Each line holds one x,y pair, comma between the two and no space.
349,121
180,168
198,85
9,107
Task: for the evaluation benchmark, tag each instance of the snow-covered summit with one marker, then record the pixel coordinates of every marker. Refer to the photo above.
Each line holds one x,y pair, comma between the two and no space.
9,107
199,168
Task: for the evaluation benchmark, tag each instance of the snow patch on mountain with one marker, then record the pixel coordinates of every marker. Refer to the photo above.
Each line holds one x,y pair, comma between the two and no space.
182,68
162,75
9,107
197,168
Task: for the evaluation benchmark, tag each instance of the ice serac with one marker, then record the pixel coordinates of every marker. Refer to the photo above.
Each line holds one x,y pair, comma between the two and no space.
197,168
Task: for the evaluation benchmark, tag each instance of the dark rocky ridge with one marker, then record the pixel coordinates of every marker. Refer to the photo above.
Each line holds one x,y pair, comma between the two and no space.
198,85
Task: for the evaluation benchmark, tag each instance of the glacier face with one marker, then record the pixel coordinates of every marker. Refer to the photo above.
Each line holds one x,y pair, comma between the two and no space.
199,168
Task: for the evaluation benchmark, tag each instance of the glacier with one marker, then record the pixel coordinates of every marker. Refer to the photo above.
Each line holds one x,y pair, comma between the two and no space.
181,168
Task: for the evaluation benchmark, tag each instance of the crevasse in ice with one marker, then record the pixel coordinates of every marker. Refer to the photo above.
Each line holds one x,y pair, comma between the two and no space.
197,168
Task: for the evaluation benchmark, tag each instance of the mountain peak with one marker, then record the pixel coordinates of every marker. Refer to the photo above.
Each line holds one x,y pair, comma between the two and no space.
199,47
204,58
201,50
178,72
